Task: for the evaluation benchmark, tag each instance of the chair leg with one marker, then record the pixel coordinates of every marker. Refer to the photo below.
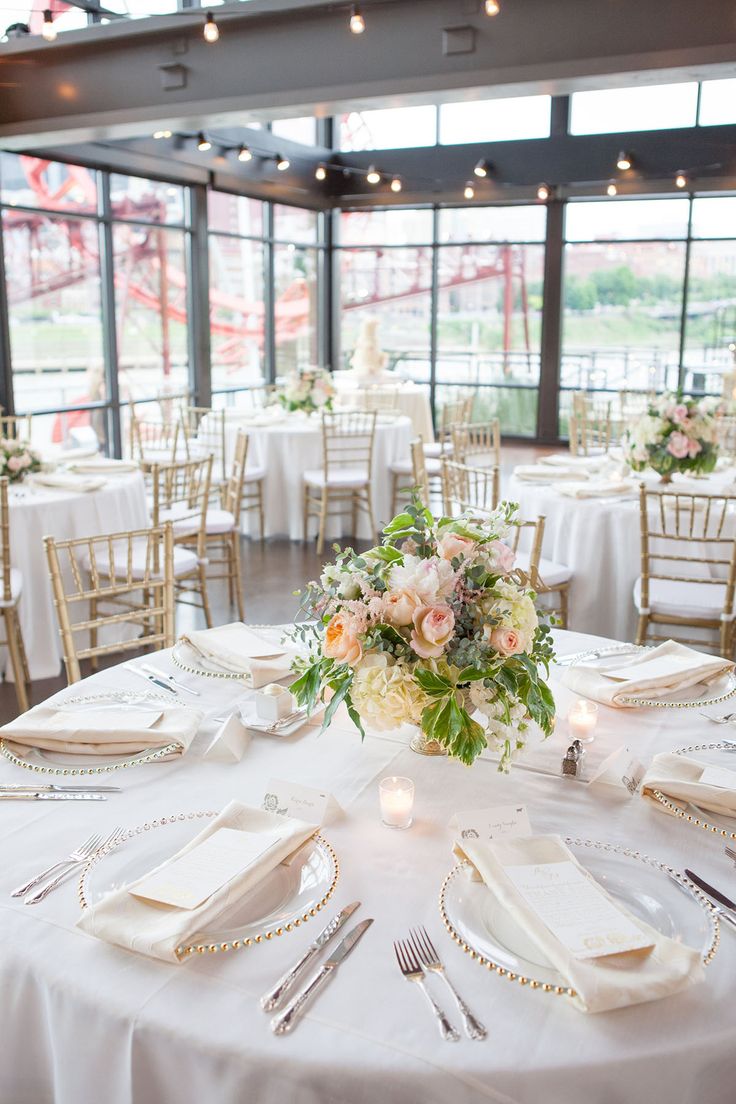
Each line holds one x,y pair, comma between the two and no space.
563,607
93,661
228,550
305,531
261,514
322,522
394,494
641,632
15,643
202,573
238,573
369,511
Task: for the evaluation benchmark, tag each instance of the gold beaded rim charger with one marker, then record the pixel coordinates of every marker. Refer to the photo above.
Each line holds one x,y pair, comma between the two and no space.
649,889
720,754
286,898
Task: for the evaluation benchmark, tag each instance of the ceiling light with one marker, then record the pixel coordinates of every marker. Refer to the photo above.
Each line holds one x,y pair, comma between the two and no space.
482,168
210,30
492,7
162,134
48,30
202,143
543,192
357,20
681,180
624,161
611,190
469,192
373,176
244,154
282,163
320,173
396,184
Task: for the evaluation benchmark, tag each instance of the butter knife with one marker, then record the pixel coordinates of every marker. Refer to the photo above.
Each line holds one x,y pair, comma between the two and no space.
37,795
284,1023
272,999
169,678
708,889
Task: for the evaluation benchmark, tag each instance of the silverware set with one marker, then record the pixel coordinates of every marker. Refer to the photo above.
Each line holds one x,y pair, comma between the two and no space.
416,957
60,871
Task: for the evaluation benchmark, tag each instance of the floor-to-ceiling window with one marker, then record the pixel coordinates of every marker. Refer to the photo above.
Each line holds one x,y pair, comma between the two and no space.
297,266
709,348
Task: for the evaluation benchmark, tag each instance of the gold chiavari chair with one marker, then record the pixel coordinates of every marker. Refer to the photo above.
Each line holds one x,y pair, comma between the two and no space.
16,427
222,527
180,494
548,579
406,475
477,443
453,413
129,575
468,490
11,580
382,400
203,429
592,429
726,436
421,475
688,566
345,478
155,442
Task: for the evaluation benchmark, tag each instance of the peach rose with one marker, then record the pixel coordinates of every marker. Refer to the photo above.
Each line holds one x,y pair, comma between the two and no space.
399,607
341,640
453,545
678,445
679,414
503,556
693,447
506,641
15,463
433,629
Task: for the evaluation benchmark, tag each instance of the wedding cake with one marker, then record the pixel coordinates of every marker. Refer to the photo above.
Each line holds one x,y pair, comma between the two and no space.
368,363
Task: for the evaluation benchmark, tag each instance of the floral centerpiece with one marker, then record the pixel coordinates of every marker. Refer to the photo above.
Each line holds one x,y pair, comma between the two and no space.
17,459
432,627
675,434
309,389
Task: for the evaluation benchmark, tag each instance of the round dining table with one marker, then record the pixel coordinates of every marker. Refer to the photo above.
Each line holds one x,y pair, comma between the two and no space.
83,1020
37,511
599,540
411,399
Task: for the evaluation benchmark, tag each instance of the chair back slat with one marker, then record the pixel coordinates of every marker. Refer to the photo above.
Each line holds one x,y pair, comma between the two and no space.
477,443
469,490
347,441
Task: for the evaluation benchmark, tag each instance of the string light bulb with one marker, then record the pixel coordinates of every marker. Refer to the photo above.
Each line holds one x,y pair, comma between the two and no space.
481,169
396,184
373,176
161,134
492,7
681,180
203,144
623,162
282,163
244,154
210,30
543,192
612,190
469,192
48,30
320,173
357,20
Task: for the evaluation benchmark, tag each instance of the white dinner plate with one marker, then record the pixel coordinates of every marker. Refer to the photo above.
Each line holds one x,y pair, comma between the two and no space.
287,897
650,890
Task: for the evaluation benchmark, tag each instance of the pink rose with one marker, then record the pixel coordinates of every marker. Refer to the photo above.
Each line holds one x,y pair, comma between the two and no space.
15,463
679,413
433,629
399,607
678,445
341,640
506,641
503,556
453,545
693,447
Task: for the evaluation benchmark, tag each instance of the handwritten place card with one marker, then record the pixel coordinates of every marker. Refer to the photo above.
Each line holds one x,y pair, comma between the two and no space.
302,802
191,878
620,768
491,824
721,777
576,910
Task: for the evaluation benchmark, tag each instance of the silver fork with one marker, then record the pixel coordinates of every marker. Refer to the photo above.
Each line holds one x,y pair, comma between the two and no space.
731,853
429,958
79,854
109,841
412,971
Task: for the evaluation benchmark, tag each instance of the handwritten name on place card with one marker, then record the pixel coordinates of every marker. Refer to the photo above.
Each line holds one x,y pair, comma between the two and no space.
490,824
302,802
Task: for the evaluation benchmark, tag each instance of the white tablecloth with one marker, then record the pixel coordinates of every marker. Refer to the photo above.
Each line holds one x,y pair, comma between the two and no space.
288,448
82,1021
37,512
411,400
599,539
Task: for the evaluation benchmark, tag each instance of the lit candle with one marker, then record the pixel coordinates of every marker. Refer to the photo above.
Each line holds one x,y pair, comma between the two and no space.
582,719
397,801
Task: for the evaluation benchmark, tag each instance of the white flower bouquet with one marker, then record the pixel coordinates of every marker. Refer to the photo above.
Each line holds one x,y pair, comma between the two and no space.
675,434
17,459
432,628
309,389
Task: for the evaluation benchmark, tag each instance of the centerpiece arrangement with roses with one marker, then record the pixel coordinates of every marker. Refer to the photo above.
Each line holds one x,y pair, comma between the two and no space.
309,389
431,628
17,459
675,434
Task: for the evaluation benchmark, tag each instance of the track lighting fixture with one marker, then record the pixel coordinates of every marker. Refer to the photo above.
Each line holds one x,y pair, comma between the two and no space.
203,144
624,161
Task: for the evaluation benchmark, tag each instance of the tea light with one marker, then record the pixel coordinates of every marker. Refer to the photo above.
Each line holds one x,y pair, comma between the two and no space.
582,719
397,801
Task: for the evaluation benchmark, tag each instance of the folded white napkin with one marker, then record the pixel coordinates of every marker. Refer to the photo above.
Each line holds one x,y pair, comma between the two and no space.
67,481
158,930
601,984
678,778
657,673
599,488
240,650
581,463
545,473
113,730
103,465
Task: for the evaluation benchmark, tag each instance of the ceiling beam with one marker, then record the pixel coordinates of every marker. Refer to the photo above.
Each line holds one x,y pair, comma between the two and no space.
285,57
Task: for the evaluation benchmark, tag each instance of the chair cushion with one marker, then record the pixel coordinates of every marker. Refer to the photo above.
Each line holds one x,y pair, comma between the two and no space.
254,474
348,477
435,448
185,561
697,600
219,521
16,586
552,574
405,467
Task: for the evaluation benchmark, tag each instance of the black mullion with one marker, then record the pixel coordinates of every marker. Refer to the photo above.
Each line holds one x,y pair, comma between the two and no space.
269,296
548,396
6,368
685,294
109,319
198,296
433,320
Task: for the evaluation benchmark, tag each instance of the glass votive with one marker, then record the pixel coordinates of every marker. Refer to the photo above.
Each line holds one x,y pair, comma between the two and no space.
582,718
397,801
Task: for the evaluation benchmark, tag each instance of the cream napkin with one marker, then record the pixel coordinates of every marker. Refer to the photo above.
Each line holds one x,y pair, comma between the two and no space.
679,779
157,929
116,730
657,673
544,473
579,463
240,650
67,481
601,984
599,488
103,465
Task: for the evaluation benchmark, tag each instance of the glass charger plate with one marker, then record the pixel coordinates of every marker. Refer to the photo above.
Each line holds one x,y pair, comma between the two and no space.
187,659
719,690
53,762
720,754
651,890
286,898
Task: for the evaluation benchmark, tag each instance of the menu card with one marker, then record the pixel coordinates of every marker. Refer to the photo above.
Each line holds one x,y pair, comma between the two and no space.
718,776
576,910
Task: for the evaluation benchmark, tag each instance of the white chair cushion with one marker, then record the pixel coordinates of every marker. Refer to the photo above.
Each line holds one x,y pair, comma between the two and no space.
698,600
348,477
405,467
219,521
16,586
552,574
434,448
185,561
254,474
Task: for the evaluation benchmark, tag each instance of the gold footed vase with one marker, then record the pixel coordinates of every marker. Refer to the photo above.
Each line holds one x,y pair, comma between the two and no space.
422,745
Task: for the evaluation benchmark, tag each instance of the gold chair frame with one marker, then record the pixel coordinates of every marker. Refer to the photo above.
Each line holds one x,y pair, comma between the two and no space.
16,427
469,490
11,618
209,439
180,493
472,440
348,438
231,499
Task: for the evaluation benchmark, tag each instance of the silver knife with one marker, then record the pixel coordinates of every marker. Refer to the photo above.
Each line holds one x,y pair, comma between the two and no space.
169,678
272,999
17,787
151,678
720,912
37,795
284,1023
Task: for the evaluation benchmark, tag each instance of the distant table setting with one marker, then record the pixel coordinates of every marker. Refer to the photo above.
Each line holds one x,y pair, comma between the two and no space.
232,896
411,399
